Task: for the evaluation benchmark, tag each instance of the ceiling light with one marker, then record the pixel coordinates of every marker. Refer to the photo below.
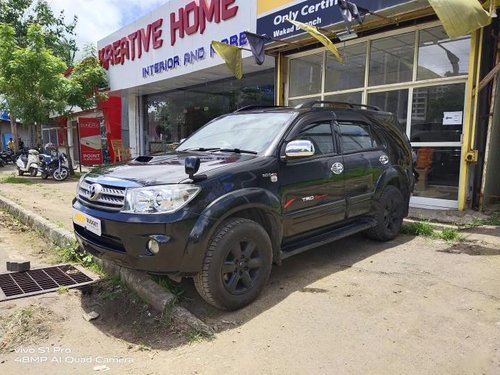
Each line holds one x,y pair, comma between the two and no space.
344,36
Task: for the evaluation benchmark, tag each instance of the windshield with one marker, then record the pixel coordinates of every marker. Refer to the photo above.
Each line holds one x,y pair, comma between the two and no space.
250,132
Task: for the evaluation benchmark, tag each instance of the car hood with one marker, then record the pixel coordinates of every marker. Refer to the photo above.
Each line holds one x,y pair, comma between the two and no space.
168,168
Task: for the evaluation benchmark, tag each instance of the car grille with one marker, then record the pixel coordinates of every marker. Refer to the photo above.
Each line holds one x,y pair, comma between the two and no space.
111,198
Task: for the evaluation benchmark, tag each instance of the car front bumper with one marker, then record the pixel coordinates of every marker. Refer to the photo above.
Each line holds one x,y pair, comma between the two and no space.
123,239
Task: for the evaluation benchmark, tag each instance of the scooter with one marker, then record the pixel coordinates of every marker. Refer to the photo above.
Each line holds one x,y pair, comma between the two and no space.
55,165
28,163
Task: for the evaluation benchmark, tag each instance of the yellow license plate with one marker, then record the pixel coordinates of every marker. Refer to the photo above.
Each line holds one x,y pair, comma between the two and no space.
88,222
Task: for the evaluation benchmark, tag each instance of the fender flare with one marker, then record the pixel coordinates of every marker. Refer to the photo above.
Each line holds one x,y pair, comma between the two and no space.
387,178
224,207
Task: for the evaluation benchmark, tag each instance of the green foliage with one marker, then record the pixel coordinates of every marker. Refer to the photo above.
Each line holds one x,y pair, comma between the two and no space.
451,235
194,335
59,36
170,286
31,77
84,82
425,229
15,180
73,253
493,219
419,228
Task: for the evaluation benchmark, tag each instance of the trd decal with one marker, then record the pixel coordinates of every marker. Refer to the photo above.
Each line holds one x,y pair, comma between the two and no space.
315,197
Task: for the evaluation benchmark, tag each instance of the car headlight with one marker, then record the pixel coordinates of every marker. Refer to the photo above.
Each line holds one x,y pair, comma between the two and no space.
78,184
159,199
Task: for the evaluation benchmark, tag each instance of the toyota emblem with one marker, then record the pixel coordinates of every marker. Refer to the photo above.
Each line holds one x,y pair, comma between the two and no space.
95,192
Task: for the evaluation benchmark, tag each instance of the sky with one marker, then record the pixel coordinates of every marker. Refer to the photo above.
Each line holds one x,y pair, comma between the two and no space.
99,18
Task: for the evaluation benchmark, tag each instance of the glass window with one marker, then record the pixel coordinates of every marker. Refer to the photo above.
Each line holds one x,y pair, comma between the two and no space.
306,74
439,56
438,171
350,97
392,101
321,136
391,59
437,113
356,137
351,73
176,114
245,131
295,102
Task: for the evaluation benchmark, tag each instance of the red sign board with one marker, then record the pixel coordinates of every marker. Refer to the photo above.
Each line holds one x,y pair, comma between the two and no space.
90,141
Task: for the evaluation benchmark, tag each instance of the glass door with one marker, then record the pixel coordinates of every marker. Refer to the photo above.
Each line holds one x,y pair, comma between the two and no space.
435,133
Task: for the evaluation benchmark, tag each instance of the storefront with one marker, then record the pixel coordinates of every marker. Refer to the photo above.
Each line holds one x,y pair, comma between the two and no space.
400,60
171,81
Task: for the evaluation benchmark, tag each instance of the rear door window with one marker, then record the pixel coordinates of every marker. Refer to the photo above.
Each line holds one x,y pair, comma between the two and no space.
357,137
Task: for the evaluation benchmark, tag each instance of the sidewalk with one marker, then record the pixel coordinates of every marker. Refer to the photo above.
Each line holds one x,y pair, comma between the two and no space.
52,200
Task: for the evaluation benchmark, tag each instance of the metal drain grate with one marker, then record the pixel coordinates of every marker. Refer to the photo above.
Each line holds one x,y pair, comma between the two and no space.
41,280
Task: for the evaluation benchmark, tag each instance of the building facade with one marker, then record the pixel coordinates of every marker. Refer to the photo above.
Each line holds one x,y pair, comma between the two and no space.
399,59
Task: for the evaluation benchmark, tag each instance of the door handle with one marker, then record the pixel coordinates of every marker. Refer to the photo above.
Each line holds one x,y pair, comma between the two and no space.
383,159
337,168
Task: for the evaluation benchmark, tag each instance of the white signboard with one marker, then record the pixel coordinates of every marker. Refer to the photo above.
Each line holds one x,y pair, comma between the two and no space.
452,118
174,40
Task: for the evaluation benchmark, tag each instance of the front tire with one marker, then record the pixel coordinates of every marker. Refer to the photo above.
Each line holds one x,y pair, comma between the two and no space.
20,172
389,212
236,266
60,175
33,172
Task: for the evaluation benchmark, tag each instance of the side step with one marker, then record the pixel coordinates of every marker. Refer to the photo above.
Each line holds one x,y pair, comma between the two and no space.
328,237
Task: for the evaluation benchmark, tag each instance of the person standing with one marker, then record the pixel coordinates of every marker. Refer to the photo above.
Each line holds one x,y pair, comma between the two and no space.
11,145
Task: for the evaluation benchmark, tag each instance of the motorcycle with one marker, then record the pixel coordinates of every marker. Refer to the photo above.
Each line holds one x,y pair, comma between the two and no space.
28,162
54,165
7,156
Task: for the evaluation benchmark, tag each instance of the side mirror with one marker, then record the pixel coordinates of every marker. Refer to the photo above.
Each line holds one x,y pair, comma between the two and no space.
299,149
191,165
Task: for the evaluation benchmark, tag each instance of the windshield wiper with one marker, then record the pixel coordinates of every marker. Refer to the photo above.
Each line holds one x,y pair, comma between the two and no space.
238,151
201,149
235,150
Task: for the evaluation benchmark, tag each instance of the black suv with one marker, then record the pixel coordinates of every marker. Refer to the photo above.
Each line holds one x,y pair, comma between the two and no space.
247,190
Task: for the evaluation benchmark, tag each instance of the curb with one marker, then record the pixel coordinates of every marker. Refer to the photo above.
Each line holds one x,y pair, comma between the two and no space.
435,225
139,282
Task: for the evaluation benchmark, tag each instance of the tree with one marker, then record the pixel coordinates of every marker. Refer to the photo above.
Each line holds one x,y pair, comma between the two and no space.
83,89
31,78
59,36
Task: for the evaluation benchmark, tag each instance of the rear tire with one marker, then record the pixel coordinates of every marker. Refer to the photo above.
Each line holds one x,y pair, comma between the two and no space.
236,266
33,172
389,214
20,172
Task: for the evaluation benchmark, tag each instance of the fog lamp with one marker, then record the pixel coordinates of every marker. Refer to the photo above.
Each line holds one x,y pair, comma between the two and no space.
153,246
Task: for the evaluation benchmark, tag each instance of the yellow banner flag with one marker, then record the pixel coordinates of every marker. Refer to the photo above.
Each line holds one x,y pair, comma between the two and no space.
232,57
322,38
460,17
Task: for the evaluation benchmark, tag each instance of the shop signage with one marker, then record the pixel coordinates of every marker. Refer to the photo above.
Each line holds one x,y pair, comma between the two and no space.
272,16
90,141
174,40
187,20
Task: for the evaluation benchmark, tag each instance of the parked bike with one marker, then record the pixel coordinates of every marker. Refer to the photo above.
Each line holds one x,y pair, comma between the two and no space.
7,156
54,164
28,162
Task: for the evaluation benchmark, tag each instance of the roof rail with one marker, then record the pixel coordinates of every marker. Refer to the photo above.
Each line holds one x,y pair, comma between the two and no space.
323,103
251,107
